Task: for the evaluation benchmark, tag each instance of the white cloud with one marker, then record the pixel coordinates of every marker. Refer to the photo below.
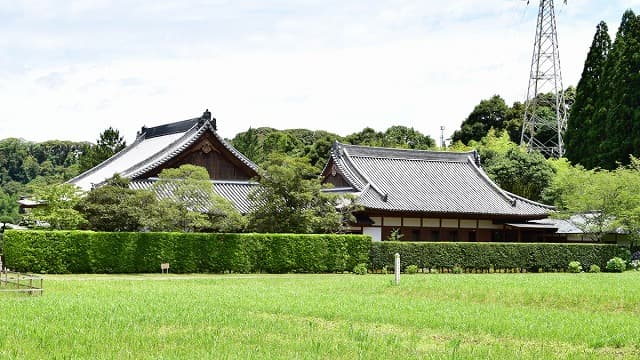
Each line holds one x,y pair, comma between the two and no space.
339,67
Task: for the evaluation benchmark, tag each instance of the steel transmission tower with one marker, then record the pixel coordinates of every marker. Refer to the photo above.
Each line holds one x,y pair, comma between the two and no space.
543,130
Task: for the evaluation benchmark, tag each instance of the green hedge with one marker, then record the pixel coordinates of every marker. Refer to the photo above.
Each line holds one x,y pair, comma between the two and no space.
483,256
96,252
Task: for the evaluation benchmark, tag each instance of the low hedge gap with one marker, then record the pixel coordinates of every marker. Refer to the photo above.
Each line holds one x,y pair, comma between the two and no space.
121,252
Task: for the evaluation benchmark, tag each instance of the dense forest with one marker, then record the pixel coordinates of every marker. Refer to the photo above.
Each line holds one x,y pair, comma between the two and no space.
599,172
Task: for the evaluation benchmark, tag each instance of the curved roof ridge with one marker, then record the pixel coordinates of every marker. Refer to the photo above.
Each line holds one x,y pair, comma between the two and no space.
346,170
377,151
490,182
161,156
364,176
529,201
187,139
111,159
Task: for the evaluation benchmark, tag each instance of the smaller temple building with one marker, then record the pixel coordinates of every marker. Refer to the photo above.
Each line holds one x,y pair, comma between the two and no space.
193,141
432,196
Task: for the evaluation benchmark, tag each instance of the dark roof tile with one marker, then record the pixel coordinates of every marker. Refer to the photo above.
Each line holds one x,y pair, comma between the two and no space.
427,181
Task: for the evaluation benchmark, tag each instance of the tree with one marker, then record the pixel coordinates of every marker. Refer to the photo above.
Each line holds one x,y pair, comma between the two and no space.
608,199
192,204
116,207
523,173
488,114
8,207
581,133
511,167
108,144
404,137
58,207
290,200
248,143
620,101
318,153
367,136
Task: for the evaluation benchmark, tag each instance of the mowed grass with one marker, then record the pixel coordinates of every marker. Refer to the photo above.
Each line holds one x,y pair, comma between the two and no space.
444,316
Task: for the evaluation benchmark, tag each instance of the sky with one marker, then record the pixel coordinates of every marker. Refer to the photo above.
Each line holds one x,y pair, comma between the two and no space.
70,69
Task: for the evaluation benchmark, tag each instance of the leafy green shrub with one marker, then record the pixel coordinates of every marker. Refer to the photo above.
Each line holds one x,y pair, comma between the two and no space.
457,269
360,269
121,252
575,267
411,269
532,257
616,264
594,268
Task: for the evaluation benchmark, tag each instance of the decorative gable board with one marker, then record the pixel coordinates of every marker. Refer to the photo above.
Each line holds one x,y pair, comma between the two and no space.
209,153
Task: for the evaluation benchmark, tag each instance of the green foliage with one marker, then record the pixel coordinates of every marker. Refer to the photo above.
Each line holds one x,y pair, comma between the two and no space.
603,131
116,207
484,256
290,200
575,267
36,164
581,133
58,207
609,199
618,107
515,170
457,269
594,268
192,206
489,114
395,235
411,269
314,147
8,207
616,264
125,252
360,269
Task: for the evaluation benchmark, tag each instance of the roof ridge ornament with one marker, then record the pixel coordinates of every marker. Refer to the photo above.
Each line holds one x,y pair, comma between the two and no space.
206,116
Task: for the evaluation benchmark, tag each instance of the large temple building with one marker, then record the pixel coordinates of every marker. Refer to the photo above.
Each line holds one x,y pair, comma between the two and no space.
194,141
431,196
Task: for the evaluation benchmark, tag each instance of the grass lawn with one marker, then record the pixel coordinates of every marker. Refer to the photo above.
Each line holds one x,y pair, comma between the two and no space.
503,316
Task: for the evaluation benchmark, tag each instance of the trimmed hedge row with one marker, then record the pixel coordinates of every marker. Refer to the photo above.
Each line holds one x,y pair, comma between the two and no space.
96,252
483,256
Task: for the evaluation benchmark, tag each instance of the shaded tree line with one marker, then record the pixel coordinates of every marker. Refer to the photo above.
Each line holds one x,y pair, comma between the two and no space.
260,144
604,126
26,166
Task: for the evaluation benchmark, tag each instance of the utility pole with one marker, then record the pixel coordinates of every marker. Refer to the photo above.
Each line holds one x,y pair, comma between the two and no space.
442,144
542,131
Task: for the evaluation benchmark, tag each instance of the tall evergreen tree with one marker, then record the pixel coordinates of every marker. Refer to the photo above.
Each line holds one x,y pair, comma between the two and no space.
580,135
618,113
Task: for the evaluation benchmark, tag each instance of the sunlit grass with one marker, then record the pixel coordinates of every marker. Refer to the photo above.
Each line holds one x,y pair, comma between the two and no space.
530,316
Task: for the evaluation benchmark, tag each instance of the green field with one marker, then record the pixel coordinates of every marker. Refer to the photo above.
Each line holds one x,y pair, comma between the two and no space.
505,316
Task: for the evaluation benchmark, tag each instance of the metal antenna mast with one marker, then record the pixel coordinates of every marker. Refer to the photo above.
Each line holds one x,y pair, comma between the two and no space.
541,130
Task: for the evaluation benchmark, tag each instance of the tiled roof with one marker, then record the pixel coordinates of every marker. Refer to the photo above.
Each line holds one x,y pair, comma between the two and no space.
427,181
235,191
152,148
